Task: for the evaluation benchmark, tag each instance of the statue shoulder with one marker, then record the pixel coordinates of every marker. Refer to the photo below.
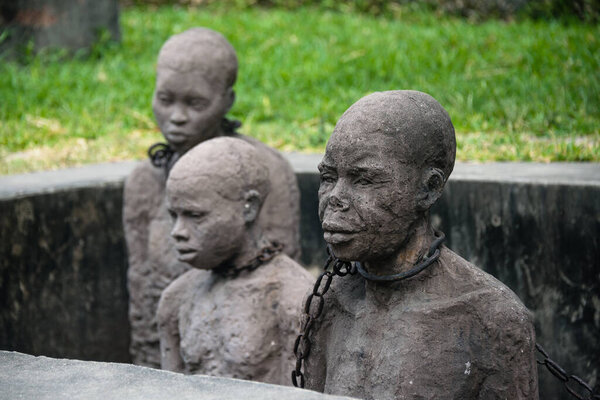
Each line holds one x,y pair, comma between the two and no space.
175,293
289,270
485,293
145,181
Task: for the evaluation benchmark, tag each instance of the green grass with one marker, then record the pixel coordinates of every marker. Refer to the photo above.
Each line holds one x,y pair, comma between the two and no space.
515,91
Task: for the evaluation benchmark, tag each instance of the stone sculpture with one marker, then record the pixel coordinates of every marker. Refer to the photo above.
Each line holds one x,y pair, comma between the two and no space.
451,331
194,90
235,313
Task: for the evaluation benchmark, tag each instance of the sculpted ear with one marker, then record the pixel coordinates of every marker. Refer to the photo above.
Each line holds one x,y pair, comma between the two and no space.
230,98
432,187
252,203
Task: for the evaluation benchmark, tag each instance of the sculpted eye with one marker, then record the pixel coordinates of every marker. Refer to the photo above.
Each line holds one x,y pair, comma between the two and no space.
198,103
165,99
195,214
363,181
327,178
172,214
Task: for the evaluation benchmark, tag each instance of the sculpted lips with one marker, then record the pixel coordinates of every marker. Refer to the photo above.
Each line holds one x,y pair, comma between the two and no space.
185,253
177,137
336,234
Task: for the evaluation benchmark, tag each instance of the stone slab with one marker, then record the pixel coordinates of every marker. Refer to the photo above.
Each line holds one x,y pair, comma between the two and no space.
38,378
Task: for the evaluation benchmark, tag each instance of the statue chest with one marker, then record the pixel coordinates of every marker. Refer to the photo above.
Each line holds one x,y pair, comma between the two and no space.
401,351
226,332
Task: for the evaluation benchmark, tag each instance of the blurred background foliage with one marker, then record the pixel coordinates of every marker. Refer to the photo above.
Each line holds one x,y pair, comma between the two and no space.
520,87
584,10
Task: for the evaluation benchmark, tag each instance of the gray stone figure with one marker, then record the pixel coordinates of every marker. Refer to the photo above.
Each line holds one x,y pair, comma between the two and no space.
235,313
449,331
194,90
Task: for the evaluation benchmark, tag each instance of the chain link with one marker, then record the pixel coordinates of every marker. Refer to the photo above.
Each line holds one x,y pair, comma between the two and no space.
160,154
313,309
573,384
266,254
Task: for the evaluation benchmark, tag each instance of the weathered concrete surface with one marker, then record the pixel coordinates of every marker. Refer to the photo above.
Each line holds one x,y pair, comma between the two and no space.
70,24
37,378
543,243
62,273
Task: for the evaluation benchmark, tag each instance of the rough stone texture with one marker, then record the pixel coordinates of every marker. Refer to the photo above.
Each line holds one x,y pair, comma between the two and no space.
210,321
450,332
544,195
194,91
39,378
70,24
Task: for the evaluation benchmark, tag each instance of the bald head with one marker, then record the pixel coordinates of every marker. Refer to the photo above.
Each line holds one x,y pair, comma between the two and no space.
203,50
421,128
229,166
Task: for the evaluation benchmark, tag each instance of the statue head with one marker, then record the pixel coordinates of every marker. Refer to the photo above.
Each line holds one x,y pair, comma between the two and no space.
195,75
385,165
214,196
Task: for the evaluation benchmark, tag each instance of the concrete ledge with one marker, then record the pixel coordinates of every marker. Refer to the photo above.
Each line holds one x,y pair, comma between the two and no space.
37,378
534,226
12,186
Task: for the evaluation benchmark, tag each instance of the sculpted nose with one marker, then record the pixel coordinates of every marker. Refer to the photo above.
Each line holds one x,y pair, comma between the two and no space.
338,204
179,116
179,231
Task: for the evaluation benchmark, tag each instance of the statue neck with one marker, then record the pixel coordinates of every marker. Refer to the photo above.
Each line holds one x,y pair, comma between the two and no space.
254,243
417,243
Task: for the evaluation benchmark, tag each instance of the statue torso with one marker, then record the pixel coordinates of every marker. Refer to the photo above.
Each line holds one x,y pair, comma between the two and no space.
242,327
435,336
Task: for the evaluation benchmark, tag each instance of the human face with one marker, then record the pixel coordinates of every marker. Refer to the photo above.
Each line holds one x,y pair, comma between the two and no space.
208,229
187,108
367,196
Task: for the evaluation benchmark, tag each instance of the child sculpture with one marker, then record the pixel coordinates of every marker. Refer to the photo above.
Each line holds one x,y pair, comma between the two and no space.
417,321
235,313
194,90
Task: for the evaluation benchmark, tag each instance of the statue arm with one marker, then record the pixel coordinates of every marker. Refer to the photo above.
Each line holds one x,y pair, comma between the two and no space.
137,208
515,375
168,326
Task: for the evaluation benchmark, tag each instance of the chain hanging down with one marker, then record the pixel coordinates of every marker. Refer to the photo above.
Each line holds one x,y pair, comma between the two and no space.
584,392
302,344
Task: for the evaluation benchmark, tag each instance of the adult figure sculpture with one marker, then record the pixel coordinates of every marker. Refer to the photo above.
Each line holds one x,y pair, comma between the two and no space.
235,313
196,72
449,331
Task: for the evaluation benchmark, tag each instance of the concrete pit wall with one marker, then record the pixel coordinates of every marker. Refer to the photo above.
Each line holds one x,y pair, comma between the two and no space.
535,227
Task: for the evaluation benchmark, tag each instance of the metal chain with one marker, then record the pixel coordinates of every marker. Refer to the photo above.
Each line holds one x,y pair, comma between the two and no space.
312,313
571,382
160,155
432,255
266,254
